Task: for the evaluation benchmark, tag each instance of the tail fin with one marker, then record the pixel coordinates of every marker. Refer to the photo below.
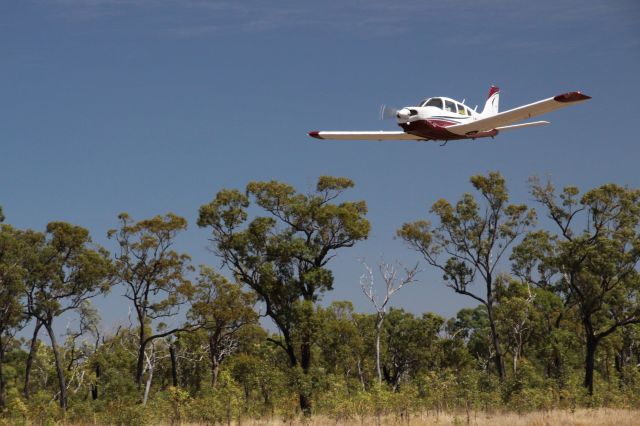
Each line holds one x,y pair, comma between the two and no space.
491,106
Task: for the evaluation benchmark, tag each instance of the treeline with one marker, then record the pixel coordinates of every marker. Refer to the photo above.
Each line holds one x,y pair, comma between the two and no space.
556,323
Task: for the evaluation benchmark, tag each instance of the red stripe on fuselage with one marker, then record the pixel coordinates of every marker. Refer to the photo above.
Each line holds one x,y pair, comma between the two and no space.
432,129
441,122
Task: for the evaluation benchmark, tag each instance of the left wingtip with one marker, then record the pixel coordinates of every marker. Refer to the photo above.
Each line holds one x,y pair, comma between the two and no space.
315,134
572,97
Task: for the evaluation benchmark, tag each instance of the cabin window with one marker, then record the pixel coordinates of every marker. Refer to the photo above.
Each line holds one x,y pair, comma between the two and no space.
462,110
449,106
434,102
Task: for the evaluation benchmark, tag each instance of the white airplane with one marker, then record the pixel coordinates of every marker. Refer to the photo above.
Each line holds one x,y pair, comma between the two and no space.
446,119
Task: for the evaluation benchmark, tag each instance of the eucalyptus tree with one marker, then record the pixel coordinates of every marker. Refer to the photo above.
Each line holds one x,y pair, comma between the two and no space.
12,273
341,345
591,260
64,270
283,256
154,275
518,317
80,345
223,309
392,283
411,344
470,240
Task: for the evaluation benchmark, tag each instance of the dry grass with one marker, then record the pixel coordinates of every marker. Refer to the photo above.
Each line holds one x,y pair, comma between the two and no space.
580,417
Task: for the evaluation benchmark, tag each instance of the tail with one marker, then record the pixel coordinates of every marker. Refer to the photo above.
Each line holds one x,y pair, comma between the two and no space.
491,106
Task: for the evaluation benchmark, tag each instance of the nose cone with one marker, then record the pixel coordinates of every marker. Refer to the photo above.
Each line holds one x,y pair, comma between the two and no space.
403,114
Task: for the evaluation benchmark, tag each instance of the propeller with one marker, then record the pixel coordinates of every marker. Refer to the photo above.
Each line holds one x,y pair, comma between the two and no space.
387,112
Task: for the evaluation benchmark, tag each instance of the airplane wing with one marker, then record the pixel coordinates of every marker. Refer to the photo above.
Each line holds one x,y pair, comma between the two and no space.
521,125
367,135
502,120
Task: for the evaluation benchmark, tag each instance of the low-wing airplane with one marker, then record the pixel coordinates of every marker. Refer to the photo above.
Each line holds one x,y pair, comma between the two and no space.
446,119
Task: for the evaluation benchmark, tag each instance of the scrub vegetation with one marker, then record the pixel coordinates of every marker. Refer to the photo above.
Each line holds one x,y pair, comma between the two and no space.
555,336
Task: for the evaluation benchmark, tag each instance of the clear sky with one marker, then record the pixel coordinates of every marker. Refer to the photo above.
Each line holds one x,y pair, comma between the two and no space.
151,106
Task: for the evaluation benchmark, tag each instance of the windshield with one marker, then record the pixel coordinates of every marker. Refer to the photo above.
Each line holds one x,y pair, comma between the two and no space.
433,102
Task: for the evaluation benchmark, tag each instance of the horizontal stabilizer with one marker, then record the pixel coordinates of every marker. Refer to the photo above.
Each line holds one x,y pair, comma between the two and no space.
366,135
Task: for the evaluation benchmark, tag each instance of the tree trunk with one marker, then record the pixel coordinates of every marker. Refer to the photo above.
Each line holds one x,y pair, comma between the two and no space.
496,343
590,362
94,387
3,385
59,370
174,367
147,387
305,363
360,375
140,362
305,404
215,370
378,332
32,354
213,358
305,359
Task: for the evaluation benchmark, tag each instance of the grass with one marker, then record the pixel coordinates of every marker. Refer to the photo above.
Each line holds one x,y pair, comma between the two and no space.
579,417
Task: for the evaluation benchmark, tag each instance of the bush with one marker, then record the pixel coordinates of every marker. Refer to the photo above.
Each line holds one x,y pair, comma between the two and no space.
221,404
125,413
44,410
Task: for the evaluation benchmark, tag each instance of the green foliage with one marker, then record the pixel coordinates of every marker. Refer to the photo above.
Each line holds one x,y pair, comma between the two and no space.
283,256
219,405
43,409
469,241
126,413
571,299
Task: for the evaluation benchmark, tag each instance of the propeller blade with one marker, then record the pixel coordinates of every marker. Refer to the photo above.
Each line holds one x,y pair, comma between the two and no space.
387,112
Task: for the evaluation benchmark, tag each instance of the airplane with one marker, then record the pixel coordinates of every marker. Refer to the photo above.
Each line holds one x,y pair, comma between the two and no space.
445,119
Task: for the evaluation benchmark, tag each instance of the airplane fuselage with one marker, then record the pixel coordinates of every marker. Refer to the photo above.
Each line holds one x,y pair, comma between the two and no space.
431,120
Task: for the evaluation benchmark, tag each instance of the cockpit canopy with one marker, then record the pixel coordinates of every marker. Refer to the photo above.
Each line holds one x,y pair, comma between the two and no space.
434,102
446,105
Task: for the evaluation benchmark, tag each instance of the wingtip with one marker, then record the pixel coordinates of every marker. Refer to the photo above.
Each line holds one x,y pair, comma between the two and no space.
572,97
315,134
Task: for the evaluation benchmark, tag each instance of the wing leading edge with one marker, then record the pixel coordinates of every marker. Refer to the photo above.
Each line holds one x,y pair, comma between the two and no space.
502,120
367,135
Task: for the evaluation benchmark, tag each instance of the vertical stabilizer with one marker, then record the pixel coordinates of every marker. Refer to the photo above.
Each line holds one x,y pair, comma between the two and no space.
491,106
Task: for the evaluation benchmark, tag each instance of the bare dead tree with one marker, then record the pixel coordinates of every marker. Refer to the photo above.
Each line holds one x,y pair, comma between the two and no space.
392,283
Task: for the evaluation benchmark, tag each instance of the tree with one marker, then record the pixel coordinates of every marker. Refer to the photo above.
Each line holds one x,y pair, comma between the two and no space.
473,239
283,257
11,290
392,284
154,276
223,309
341,345
411,344
591,262
516,316
64,272
78,349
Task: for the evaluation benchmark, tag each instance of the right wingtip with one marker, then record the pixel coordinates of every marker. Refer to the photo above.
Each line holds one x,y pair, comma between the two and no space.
315,134
572,97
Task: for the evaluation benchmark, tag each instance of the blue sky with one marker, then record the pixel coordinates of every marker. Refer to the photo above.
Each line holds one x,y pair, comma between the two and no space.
153,106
